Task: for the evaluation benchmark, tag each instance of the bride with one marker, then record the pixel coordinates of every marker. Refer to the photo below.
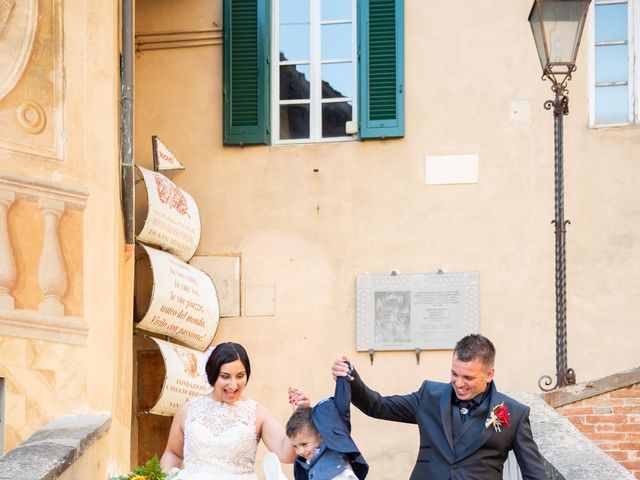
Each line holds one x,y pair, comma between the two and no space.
215,437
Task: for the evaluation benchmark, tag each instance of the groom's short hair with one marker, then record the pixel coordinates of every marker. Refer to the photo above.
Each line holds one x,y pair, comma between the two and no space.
475,346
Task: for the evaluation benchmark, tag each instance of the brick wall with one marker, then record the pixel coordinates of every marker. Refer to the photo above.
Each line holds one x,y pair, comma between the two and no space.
612,421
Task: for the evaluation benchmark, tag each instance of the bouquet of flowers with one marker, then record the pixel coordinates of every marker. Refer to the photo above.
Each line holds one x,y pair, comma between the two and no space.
150,471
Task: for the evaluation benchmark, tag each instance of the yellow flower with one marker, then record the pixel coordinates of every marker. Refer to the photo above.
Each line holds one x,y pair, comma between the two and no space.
139,477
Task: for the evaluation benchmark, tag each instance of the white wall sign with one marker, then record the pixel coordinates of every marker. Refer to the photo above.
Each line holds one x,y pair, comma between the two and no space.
183,303
451,169
185,377
169,219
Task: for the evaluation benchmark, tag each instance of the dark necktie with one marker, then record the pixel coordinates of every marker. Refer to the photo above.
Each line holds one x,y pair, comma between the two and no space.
465,407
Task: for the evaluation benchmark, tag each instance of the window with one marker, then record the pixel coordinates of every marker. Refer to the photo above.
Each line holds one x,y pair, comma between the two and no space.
312,70
615,72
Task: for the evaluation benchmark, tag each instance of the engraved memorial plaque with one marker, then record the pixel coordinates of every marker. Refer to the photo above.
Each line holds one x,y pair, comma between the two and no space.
429,311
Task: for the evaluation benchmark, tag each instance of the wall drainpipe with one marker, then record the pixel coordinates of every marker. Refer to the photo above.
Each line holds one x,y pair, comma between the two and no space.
126,126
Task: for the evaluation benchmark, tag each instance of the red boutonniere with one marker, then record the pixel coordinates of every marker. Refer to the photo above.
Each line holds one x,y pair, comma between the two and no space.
498,418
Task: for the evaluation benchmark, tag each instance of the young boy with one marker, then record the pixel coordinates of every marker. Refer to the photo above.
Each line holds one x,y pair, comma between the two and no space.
322,438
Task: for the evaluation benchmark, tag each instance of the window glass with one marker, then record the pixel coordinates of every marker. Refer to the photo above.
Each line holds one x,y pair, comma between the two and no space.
295,30
294,82
294,122
334,119
611,22
316,69
294,12
336,41
612,104
337,80
611,57
611,63
336,9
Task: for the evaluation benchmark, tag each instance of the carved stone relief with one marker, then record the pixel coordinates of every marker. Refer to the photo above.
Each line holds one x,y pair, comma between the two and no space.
18,23
31,83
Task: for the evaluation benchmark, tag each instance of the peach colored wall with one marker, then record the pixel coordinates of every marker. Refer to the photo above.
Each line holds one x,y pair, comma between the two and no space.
368,210
73,74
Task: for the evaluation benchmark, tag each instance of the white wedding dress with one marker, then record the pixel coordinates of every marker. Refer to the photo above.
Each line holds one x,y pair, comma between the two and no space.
220,440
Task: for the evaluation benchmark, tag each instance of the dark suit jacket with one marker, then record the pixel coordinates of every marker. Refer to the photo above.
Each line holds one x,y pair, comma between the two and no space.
332,419
430,409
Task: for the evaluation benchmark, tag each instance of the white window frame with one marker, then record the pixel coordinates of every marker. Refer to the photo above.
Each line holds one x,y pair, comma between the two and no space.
633,27
316,101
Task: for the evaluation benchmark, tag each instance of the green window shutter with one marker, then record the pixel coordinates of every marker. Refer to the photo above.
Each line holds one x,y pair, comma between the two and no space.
246,72
381,68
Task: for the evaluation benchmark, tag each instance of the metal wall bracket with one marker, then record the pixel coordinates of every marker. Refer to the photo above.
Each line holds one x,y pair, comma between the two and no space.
371,352
418,351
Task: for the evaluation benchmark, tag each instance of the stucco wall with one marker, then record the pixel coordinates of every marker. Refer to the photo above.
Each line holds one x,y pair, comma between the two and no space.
368,210
72,73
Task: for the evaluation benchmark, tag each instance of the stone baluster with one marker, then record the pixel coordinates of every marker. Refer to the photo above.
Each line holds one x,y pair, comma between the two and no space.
52,274
7,261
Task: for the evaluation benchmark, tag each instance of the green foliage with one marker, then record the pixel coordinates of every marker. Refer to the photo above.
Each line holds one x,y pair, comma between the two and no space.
150,471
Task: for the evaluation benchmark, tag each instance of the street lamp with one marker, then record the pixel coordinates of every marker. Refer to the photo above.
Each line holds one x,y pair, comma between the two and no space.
557,27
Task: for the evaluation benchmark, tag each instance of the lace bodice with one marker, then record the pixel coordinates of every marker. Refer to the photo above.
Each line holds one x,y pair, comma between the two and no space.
220,440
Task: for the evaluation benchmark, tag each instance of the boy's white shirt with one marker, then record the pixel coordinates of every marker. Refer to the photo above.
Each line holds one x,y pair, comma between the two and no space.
272,467
346,474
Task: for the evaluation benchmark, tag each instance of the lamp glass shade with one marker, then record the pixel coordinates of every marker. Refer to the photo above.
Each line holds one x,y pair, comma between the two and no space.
557,26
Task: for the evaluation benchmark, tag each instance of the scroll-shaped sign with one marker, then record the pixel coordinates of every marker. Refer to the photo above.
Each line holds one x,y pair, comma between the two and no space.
167,217
185,377
183,302
163,158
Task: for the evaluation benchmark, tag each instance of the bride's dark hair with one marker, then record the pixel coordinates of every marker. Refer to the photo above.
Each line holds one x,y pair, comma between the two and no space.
226,353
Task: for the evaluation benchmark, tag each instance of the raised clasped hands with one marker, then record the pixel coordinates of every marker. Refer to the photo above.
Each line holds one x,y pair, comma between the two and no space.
298,398
341,368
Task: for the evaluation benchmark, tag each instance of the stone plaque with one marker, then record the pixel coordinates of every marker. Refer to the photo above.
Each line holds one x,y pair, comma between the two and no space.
429,311
224,270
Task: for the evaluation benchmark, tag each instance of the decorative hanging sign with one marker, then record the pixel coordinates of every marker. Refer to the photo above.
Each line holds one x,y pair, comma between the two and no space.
163,159
183,303
185,377
169,219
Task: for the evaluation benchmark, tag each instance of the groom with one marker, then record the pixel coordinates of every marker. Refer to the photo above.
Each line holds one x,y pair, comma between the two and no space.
466,427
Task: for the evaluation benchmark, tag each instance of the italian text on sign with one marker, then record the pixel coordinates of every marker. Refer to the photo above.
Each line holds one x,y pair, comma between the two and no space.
185,377
183,304
170,218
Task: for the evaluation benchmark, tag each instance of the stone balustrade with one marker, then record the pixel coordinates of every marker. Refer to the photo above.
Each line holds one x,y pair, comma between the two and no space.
49,321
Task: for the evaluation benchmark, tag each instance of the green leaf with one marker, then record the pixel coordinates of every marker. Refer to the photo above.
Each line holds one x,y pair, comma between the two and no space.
151,470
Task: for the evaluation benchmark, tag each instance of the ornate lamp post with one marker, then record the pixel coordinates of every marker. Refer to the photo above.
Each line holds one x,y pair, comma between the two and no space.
557,27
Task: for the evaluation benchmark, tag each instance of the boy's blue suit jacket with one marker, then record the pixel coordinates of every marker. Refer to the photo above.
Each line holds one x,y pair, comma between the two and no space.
332,419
